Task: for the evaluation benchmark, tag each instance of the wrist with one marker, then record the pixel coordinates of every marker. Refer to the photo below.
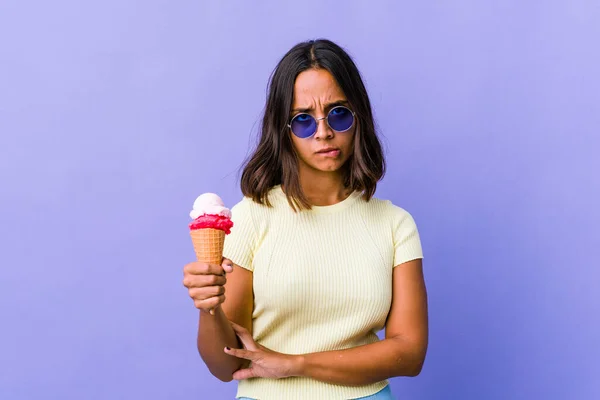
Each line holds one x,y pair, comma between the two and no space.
298,365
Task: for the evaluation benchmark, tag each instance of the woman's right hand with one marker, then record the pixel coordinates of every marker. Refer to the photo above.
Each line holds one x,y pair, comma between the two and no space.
206,283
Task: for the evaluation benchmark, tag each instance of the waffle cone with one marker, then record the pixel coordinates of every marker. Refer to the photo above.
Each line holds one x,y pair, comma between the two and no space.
208,245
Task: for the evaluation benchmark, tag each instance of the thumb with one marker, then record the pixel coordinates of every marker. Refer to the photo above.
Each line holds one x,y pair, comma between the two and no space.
227,265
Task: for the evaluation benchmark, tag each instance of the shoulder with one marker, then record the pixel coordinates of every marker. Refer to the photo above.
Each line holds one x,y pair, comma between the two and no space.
405,234
399,214
248,211
245,204
393,217
386,209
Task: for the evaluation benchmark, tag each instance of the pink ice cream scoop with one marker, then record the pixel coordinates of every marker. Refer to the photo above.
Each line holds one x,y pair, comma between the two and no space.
209,212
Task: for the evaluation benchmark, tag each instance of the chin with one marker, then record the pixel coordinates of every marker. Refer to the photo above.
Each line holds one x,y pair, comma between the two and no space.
329,167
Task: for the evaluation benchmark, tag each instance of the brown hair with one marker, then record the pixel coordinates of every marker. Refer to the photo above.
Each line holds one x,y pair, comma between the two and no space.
274,162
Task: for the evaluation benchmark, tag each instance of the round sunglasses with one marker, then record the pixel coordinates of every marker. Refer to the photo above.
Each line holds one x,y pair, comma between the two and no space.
339,118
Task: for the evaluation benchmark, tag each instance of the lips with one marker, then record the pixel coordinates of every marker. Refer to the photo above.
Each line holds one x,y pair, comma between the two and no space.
328,150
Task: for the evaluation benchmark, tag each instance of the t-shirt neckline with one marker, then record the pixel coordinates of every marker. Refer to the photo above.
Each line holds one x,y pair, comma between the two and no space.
347,202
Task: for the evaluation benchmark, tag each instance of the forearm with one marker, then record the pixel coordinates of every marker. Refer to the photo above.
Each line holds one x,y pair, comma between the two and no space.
214,334
364,365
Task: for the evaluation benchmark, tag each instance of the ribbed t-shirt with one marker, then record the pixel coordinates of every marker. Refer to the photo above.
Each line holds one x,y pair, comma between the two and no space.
322,281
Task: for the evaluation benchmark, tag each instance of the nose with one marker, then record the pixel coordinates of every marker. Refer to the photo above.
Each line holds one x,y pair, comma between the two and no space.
323,129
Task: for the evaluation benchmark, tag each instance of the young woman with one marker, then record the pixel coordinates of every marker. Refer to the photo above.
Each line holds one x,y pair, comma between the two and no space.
315,265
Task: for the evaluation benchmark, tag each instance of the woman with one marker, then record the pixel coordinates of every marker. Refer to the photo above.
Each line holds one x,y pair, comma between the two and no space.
315,264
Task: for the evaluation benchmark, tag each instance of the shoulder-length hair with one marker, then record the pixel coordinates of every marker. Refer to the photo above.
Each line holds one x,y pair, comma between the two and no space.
274,162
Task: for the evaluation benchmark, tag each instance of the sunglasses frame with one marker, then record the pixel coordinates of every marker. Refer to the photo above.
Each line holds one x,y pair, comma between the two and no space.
320,119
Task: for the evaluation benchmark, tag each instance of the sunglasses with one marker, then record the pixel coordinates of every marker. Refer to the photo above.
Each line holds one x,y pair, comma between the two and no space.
339,118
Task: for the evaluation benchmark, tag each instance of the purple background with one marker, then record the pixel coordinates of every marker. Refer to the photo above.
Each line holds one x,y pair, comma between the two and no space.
110,112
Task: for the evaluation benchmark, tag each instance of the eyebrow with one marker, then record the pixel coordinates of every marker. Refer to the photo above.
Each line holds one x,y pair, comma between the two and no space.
328,106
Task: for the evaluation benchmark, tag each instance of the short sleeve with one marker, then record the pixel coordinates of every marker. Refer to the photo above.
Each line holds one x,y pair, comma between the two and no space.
240,244
407,242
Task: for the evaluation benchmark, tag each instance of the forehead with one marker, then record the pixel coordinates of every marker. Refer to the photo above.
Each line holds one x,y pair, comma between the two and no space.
316,85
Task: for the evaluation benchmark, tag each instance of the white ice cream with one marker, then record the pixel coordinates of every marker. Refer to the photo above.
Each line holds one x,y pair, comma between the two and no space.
209,203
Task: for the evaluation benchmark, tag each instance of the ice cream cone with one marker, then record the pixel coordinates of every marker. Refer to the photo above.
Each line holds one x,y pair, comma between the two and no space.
208,245
211,222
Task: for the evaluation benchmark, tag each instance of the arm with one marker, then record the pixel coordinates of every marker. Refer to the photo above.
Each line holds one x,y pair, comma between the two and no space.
401,353
215,332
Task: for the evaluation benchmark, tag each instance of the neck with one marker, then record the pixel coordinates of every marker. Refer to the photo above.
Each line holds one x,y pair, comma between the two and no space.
323,188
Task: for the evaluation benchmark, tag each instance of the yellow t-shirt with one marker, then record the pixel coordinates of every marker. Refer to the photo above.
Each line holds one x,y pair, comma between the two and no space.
322,281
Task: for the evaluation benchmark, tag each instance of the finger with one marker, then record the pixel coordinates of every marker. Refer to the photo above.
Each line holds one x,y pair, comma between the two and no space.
206,292
198,281
246,373
209,304
236,327
200,268
241,353
213,311
263,348
239,329
245,336
227,265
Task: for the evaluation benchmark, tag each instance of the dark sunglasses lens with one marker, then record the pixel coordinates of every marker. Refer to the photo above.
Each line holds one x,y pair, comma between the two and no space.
340,119
303,125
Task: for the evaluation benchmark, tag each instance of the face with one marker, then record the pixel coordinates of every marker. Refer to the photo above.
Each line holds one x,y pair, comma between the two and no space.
316,92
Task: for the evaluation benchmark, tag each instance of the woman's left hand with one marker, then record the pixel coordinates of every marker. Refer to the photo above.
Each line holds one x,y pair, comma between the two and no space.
265,363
